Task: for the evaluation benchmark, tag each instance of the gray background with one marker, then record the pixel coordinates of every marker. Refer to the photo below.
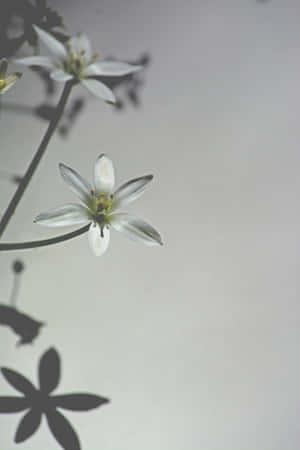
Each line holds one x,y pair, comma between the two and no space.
196,343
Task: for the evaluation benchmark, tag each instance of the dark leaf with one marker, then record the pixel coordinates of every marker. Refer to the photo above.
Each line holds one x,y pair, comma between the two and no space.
79,402
13,404
62,431
49,371
19,382
28,425
23,325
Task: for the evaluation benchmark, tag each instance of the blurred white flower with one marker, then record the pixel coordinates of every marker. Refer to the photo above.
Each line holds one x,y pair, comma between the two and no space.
99,204
76,61
6,82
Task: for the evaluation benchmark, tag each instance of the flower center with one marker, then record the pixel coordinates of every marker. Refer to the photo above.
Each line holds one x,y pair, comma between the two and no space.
102,207
77,62
75,65
2,82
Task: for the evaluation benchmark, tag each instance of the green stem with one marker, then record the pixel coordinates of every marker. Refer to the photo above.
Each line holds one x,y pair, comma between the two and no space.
36,159
34,244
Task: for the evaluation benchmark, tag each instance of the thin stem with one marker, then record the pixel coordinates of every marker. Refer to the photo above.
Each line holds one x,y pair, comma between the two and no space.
36,159
34,244
15,290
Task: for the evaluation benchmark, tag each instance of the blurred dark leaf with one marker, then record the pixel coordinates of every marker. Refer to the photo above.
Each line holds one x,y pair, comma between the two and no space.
23,325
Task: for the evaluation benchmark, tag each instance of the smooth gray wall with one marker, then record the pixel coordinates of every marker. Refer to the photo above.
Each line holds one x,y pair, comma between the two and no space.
196,343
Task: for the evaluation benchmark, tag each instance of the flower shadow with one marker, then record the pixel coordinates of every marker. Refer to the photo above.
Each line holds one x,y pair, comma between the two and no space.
41,402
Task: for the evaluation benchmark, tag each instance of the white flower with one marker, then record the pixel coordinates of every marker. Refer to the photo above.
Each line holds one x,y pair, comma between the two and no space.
6,82
75,61
99,205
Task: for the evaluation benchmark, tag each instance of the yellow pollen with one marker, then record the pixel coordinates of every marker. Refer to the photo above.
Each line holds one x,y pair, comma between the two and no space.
95,55
2,82
103,204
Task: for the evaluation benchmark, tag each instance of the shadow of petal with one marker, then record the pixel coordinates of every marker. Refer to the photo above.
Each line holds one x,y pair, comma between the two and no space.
62,431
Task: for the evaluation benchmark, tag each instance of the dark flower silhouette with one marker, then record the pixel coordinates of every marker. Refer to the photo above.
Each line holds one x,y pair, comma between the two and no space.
40,401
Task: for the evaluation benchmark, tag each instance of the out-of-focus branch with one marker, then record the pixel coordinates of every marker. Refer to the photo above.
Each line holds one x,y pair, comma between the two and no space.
36,159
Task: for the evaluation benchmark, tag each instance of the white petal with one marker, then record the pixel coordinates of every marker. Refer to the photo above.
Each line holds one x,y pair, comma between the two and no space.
60,75
80,45
56,47
135,229
104,175
99,89
91,69
77,184
111,69
98,240
131,190
69,214
42,61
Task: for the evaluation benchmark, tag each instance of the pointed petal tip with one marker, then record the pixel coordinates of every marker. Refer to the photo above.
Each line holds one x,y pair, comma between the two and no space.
54,45
62,167
104,401
135,229
5,371
99,89
17,439
131,190
137,68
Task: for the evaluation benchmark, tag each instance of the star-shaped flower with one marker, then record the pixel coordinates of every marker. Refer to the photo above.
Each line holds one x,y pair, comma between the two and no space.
40,401
76,61
99,206
6,82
